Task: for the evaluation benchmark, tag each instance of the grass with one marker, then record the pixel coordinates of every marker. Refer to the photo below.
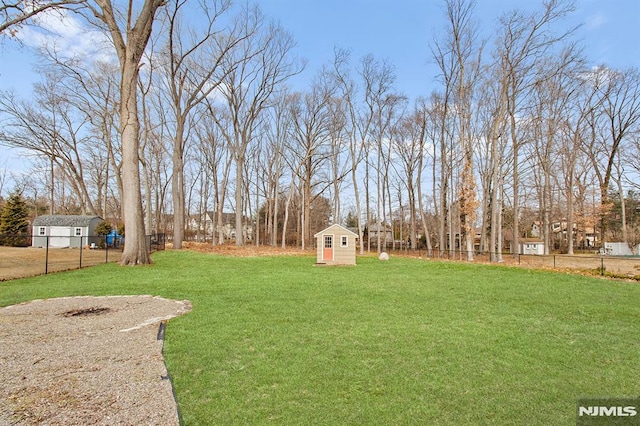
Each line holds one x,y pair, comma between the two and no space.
277,340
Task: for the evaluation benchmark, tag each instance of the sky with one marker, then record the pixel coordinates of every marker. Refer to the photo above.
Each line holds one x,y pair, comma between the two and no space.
402,30
398,31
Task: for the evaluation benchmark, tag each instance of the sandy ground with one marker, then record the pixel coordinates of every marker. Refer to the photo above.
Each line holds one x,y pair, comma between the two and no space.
18,262
86,360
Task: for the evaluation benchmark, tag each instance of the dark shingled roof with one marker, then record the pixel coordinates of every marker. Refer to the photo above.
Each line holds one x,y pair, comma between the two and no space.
64,220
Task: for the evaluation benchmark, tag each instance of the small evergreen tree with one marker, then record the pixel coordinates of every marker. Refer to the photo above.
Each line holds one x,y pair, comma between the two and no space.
103,228
14,223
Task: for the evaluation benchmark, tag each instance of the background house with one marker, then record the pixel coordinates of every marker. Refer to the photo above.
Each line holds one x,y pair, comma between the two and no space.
383,230
336,245
531,246
65,230
201,226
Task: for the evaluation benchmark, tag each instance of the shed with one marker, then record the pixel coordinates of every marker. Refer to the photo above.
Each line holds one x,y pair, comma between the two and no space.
65,231
617,249
531,246
336,245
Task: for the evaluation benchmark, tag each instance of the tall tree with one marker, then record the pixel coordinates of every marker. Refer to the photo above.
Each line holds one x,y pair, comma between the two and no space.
253,72
614,120
311,126
14,224
523,39
459,57
193,71
130,39
356,128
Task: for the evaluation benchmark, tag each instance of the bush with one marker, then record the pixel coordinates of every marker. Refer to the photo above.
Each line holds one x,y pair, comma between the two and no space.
104,228
14,225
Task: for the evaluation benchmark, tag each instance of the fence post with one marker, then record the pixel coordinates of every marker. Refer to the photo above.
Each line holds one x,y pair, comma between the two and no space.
106,249
46,257
602,265
80,252
554,261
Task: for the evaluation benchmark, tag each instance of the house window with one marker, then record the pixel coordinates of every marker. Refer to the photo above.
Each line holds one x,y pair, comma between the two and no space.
42,231
328,241
78,232
344,241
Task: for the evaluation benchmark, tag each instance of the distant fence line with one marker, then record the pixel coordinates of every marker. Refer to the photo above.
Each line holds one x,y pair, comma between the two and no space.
620,266
28,255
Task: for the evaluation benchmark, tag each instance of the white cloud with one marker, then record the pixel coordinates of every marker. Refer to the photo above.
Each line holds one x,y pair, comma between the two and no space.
597,20
69,36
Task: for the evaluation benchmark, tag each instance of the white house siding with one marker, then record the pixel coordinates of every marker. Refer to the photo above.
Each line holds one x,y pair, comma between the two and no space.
528,247
65,230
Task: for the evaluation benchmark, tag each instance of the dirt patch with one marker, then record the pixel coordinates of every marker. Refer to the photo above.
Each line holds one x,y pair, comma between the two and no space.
245,251
86,360
86,311
20,262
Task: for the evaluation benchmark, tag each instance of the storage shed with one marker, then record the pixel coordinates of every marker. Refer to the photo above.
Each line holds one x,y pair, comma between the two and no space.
336,245
65,231
531,246
617,249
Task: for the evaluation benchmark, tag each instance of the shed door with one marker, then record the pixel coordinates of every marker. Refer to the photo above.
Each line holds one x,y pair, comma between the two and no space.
59,236
327,252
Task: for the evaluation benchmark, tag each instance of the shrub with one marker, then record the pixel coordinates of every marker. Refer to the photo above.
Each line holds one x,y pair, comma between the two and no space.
14,225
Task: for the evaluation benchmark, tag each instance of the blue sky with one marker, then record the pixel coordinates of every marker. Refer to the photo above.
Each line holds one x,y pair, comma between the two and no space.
399,31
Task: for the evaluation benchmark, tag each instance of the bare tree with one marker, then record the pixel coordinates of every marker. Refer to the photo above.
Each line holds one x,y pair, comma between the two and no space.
356,127
409,147
253,72
53,129
92,88
193,70
130,40
459,59
277,134
17,13
614,119
551,102
522,40
312,127
420,121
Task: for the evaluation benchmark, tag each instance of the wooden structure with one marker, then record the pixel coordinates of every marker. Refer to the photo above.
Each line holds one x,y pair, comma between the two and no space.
65,231
531,246
336,245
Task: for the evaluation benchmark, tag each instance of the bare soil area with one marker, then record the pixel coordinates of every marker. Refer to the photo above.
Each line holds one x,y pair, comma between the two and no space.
19,262
246,250
86,360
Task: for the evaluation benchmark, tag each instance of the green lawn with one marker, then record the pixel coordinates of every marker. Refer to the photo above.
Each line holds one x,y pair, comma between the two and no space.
277,340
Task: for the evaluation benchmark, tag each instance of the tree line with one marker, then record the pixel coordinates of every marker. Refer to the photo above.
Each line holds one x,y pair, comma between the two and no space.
196,119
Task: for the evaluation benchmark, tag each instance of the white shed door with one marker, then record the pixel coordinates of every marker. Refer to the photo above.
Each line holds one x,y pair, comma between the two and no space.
60,236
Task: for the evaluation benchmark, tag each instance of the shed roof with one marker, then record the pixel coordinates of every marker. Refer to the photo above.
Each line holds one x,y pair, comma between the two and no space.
530,241
336,227
64,220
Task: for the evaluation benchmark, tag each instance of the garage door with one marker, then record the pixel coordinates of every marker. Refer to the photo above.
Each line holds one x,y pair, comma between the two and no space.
60,236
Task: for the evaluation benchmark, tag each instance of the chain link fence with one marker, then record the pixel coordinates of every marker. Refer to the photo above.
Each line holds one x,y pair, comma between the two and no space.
604,265
30,255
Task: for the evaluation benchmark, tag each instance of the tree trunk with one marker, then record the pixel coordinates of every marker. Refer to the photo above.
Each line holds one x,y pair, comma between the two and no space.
135,250
130,51
239,186
177,186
